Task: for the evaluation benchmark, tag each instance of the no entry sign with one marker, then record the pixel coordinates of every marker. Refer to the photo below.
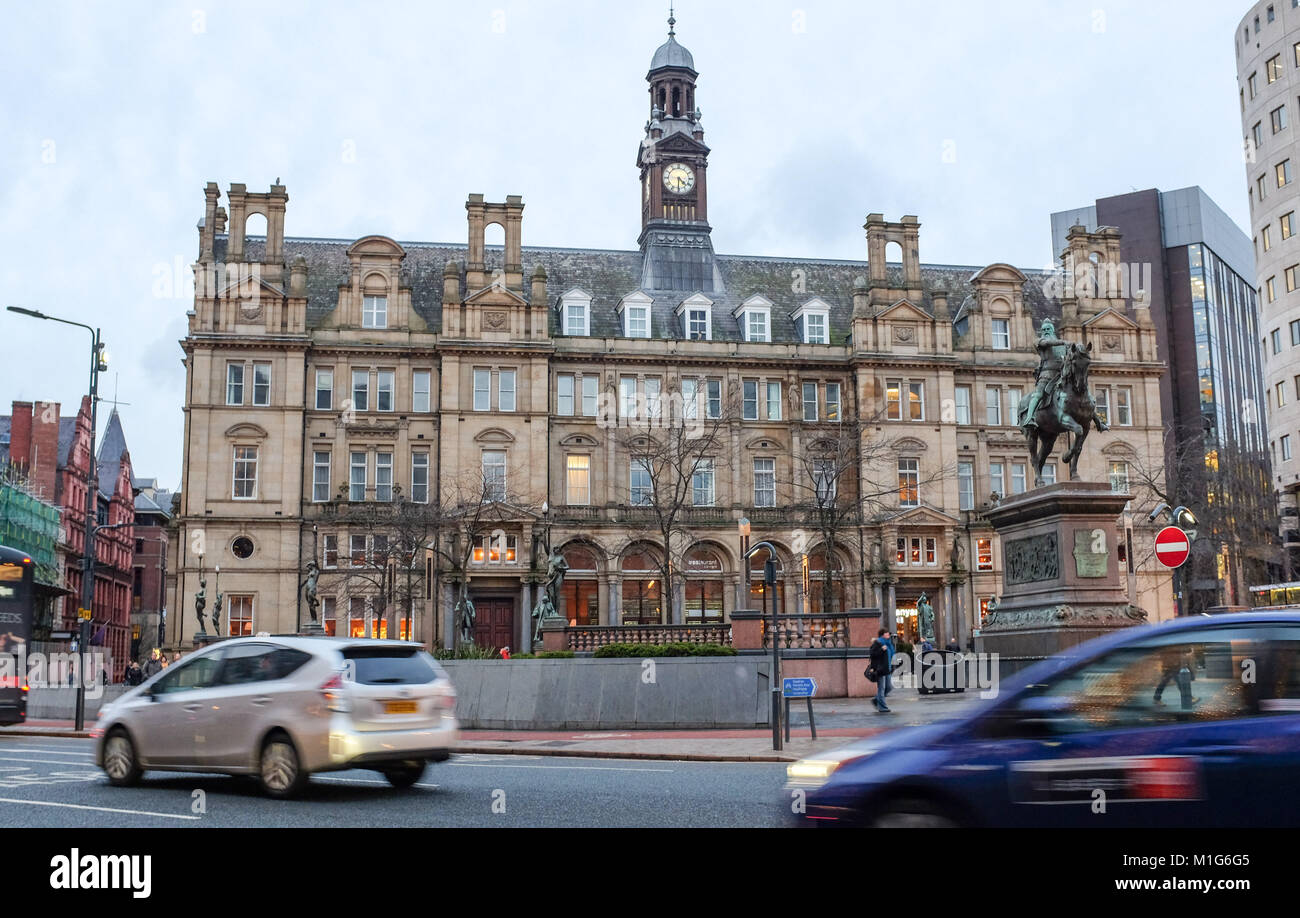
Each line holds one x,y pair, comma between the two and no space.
1172,546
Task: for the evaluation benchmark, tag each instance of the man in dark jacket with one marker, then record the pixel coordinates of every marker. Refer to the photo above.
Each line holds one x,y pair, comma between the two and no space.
154,666
878,654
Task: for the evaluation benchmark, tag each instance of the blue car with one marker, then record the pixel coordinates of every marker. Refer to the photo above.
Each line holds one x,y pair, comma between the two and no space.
1194,722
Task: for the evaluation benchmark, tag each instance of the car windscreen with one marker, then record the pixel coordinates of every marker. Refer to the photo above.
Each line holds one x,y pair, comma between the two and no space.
390,665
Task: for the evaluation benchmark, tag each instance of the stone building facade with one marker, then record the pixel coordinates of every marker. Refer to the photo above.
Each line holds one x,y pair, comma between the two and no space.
503,392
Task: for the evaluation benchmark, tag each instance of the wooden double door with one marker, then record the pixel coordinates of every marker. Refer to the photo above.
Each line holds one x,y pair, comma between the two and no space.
494,622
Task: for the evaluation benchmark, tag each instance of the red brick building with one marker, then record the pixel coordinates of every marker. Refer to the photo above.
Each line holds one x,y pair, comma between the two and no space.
54,453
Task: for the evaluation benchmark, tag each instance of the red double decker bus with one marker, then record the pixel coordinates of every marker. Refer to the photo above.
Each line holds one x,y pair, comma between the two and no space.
17,572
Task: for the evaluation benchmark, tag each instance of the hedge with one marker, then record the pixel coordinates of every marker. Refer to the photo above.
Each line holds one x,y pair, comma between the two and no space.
681,649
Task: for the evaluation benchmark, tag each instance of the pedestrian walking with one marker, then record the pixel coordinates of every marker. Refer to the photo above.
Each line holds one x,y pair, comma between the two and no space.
134,674
888,640
878,670
154,665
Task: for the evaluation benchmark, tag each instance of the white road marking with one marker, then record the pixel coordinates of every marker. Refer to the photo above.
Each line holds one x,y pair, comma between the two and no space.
101,809
364,781
14,758
555,767
47,749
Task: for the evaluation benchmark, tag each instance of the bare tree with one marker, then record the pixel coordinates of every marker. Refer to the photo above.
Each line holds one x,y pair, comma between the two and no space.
843,480
672,445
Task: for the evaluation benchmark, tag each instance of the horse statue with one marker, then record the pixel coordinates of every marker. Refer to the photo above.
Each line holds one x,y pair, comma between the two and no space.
1061,404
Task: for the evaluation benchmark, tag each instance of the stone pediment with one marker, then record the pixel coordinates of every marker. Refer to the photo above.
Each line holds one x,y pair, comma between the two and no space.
249,285
1110,318
495,295
494,435
904,311
578,440
765,443
246,431
923,516
999,272
376,245
680,143
909,445
1119,449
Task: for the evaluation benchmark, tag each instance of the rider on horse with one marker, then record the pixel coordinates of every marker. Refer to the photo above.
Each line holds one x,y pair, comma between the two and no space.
1051,357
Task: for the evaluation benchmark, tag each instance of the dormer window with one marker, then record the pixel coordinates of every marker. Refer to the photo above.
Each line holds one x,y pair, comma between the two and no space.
575,313
697,318
813,321
635,308
374,312
1001,334
755,316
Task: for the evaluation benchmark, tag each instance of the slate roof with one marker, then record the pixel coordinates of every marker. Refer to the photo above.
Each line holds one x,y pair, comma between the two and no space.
160,504
67,433
111,449
610,274
671,54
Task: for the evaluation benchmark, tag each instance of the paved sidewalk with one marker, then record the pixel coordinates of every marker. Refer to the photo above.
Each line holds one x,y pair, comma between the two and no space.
839,721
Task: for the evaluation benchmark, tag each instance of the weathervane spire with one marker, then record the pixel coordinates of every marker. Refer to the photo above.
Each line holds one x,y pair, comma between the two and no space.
671,21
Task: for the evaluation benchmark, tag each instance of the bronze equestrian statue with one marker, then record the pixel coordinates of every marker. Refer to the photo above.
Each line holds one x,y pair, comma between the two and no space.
1060,402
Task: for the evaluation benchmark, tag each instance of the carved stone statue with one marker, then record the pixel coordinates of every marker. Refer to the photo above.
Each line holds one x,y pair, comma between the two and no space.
925,617
465,621
556,567
1060,402
544,610
313,577
991,612
201,601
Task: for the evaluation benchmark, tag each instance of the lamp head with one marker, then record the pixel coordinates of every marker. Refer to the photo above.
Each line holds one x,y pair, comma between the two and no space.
743,526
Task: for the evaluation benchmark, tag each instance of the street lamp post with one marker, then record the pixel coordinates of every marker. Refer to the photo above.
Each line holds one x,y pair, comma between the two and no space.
769,583
742,526
97,365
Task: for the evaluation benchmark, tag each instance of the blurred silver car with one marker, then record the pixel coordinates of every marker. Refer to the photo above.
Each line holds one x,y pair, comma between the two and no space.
283,708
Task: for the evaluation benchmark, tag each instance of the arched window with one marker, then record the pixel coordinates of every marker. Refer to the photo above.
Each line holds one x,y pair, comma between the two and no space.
642,589
819,572
703,575
580,594
758,585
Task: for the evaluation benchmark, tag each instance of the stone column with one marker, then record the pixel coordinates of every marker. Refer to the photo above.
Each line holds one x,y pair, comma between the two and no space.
949,619
889,609
614,611
525,625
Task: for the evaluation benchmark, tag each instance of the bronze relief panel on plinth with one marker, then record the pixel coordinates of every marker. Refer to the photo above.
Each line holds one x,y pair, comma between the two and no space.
1031,559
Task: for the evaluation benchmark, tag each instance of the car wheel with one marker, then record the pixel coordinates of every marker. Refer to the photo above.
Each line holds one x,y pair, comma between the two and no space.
279,770
120,762
912,814
404,775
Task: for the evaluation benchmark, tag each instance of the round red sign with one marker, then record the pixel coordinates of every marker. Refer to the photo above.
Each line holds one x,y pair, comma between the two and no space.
1172,546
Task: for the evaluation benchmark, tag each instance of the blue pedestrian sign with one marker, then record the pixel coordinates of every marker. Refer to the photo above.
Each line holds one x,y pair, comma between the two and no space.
801,687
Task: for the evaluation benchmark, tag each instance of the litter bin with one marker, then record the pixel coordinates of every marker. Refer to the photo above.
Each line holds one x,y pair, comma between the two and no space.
940,672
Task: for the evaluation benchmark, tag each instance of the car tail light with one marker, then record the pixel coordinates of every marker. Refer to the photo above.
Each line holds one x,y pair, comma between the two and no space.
333,693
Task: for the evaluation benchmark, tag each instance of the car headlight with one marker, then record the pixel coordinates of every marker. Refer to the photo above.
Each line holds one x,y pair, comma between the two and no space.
817,770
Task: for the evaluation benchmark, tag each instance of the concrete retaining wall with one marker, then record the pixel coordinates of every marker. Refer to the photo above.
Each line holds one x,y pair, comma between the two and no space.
61,703
607,694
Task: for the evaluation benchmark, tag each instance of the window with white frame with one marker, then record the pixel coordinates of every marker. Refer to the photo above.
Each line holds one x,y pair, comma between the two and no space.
506,390
1017,478
636,321
420,477
329,546
261,384
825,481
1013,406
374,312
590,392
915,401
357,554
833,401
482,389
245,473
690,398
1002,334
320,477
713,399
357,475
984,554
997,478
577,482
1101,404
961,401
749,400
909,482
653,397
965,486
497,548
773,400
697,324
757,325
564,394
993,406
385,380
421,381
494,474
1049,472
810,408
384,476
814,328
893,399
361,390
577,315
627,402
240,617
1285,442
1119,476
640,489
1123,412
764,482
324,390
234,384
702,483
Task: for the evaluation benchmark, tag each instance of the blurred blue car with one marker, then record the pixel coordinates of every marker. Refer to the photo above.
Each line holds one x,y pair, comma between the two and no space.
1194,722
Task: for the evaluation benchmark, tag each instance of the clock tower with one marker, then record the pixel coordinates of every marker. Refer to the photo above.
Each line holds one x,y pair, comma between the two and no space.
673,160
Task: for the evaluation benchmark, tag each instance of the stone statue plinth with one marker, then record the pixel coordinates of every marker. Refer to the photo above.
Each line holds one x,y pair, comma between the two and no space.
312,628
1062,580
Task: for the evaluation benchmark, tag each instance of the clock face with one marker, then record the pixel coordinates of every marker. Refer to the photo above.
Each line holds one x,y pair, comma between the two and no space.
678,178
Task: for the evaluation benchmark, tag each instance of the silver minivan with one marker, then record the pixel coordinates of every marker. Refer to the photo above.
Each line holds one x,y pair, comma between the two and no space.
283,708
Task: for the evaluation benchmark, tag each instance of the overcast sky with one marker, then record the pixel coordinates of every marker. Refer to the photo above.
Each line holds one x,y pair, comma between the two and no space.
980,118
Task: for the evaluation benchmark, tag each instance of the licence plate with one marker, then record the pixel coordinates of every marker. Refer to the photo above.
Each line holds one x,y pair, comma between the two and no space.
400,707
